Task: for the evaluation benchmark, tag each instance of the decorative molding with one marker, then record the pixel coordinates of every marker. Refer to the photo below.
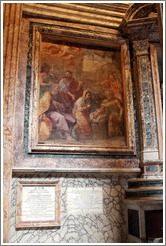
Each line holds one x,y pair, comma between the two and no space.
152,162
139,10
132,172
106,15
140,47
141,22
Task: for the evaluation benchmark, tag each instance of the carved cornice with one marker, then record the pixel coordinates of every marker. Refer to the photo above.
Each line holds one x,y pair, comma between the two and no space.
140,10
141,29
140,47
140,23
105,15
151,162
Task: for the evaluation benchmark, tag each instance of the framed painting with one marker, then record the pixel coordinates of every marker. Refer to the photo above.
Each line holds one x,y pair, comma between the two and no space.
81,97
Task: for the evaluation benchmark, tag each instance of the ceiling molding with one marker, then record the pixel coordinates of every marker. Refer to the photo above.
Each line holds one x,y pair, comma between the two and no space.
104,15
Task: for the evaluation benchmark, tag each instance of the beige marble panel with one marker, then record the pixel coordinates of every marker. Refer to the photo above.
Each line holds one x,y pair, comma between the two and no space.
12,19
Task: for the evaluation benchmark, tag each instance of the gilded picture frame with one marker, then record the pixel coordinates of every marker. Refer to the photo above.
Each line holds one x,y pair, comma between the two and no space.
62,119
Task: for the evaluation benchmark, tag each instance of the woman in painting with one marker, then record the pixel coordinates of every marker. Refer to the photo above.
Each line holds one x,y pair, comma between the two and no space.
81,111
45,79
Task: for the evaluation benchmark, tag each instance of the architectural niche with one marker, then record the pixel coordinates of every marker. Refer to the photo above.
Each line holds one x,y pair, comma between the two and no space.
131,184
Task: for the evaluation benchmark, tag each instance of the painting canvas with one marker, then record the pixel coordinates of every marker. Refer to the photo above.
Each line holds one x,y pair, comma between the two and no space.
80,95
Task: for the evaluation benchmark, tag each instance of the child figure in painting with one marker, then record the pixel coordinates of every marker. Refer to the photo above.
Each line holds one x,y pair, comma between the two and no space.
99,123
99,115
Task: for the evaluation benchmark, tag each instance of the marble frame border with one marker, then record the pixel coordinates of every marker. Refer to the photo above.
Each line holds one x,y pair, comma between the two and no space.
35,147
29,224
24,162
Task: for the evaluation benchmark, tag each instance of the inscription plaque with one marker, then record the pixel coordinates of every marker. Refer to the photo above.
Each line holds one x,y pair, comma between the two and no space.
37,199
38,204
85,200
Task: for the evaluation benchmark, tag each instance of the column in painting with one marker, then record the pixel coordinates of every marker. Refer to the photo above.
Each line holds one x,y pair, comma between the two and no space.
11,32
149,145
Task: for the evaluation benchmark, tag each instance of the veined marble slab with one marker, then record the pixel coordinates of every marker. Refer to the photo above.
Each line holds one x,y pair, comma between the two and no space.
84,200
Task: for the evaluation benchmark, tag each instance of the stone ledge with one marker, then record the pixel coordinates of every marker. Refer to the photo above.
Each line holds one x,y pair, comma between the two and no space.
125,171
142,200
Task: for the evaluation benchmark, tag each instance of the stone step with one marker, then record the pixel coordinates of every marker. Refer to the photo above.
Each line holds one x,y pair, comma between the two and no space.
143,179
145,188
141,182
145,192
142,199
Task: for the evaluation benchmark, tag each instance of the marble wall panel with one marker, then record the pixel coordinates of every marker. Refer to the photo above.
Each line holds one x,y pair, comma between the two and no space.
106,227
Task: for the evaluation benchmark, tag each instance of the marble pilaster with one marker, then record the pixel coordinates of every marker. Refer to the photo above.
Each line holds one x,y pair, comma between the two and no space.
154,49
145,193
146,104
11,30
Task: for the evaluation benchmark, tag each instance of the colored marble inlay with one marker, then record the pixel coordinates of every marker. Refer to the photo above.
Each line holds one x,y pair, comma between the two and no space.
152,107
150,122
152,168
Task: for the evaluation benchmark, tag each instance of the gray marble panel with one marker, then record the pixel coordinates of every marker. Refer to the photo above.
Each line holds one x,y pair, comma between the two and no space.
107,227
153,168
149,110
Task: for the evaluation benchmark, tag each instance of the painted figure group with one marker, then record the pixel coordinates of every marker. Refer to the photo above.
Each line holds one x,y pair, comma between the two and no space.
68,112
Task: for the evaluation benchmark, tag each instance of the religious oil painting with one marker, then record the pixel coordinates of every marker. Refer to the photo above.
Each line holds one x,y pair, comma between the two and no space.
80,99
